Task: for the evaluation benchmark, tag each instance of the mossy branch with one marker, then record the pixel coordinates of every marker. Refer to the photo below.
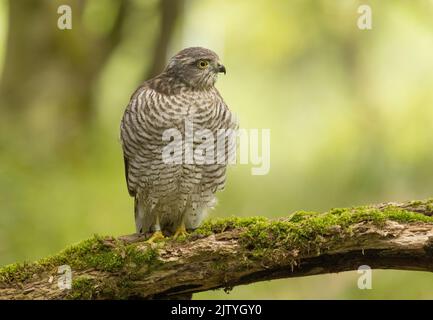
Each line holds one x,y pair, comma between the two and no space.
235,251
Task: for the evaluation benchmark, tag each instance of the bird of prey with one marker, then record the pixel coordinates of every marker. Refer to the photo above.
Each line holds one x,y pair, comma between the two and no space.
173,197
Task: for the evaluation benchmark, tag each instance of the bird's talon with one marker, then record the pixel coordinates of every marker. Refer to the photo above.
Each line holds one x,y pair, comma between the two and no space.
157,235
181,231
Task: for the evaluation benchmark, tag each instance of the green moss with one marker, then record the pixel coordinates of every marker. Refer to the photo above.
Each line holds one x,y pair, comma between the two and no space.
416,202
140,257
305,230
301,215
91,253
99,253
220,225
301,230
83,288
87,288
429,206
18,272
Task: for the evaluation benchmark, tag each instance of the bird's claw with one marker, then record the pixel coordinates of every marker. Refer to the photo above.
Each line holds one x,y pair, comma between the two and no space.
181,231
157,235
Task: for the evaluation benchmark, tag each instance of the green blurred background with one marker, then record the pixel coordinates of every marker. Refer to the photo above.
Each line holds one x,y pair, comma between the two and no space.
350,113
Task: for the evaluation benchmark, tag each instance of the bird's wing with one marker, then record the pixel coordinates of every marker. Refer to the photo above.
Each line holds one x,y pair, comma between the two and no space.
131,140
130,189
214,176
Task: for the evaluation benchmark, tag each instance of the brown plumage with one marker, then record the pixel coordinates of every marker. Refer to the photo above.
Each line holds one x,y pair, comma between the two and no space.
171,196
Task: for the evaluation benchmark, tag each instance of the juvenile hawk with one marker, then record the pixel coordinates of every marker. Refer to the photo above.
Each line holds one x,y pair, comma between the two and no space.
175,196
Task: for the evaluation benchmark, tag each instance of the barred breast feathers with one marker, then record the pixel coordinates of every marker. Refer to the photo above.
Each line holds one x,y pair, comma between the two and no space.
158,105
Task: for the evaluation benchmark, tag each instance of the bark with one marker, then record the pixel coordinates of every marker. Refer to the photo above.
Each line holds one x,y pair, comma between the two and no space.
236,252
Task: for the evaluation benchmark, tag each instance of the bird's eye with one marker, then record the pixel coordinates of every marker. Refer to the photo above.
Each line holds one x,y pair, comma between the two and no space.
202,64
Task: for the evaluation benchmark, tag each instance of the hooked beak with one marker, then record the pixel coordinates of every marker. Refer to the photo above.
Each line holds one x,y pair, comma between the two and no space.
221,68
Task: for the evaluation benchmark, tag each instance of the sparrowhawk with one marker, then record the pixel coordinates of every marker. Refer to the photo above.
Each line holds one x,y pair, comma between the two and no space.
175,196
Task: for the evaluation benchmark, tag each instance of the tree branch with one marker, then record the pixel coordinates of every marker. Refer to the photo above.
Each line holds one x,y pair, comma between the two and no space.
230,252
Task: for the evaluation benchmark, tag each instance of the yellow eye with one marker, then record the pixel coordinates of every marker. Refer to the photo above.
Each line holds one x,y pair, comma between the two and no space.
202,64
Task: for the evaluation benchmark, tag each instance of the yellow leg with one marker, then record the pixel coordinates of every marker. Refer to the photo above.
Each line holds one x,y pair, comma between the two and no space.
181,231
157,235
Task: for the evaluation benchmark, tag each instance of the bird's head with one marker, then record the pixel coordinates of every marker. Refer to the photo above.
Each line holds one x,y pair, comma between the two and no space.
195,66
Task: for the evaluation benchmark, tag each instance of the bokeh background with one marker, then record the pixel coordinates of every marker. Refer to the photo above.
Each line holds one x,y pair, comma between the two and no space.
350,113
